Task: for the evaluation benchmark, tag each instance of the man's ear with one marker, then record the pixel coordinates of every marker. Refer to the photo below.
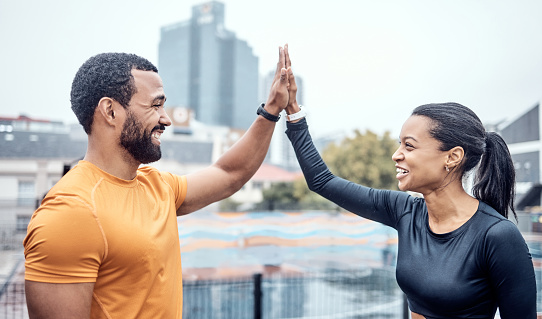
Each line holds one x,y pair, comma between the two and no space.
106,109
455,157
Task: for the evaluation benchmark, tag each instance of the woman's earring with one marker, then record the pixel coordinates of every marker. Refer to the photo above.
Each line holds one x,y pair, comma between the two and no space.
447,169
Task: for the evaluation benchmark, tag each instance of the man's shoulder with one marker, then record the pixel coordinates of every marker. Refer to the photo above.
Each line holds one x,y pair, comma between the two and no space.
146,170
78,181
153,175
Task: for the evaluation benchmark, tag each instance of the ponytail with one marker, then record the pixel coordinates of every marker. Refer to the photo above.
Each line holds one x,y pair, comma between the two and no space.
494,181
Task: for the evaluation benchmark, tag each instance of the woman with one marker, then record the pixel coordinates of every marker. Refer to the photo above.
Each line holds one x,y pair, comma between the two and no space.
459,256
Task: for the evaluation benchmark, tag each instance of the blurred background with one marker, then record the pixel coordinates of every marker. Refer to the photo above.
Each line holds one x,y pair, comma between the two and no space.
361,67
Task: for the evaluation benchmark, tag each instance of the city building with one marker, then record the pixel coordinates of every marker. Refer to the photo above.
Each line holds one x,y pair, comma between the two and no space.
522,135
207,69
35,154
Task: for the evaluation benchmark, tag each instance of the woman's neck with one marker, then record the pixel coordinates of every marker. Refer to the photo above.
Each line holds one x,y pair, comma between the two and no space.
449,208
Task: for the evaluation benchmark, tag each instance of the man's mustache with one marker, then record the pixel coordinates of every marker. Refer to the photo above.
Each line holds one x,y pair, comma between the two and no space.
161,127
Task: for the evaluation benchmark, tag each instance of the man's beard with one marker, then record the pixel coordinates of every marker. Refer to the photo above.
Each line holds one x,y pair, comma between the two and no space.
138,141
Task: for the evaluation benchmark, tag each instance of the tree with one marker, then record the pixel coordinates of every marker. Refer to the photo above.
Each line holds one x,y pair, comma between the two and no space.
292,196
278,196
364,159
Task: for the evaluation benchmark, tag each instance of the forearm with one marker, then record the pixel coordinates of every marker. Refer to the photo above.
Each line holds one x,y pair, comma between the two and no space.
244,158
314,169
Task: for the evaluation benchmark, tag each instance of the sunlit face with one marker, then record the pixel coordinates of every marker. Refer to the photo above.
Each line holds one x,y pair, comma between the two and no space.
145,118
419,161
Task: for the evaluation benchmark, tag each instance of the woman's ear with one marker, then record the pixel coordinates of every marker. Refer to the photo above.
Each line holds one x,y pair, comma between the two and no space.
455,157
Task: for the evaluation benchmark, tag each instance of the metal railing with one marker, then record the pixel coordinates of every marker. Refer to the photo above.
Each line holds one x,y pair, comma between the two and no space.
369,293
11,238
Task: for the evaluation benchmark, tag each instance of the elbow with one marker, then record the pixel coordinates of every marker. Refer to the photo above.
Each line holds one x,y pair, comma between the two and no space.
319,182
233,187
313,187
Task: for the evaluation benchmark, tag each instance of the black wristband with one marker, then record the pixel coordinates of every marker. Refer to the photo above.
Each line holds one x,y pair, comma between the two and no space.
261,111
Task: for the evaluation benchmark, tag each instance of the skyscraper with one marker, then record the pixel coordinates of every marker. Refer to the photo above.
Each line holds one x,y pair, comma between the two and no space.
208,69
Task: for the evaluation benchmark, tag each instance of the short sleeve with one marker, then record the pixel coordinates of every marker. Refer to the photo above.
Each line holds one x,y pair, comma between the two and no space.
178,185
64,243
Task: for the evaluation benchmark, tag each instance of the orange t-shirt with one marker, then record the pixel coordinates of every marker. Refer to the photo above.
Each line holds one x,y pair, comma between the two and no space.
120,234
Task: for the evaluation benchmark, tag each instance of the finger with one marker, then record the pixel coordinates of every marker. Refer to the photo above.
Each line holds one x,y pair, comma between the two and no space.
283,76
287,56
280,63
291,79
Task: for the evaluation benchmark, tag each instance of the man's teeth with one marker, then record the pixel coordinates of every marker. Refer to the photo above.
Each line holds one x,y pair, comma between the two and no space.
156,135
401,171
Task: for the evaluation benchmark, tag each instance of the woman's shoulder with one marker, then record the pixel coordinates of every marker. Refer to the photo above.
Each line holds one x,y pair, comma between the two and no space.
497,227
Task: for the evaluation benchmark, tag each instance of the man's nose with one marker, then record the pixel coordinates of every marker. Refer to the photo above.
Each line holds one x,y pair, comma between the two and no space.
164,118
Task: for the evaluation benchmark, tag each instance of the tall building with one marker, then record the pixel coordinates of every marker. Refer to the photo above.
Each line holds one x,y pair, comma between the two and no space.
208,69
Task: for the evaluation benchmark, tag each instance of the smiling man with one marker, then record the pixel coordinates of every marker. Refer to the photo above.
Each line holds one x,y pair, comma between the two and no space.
104,242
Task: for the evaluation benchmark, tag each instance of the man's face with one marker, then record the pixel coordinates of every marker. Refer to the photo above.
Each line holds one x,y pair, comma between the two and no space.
138,141
146,119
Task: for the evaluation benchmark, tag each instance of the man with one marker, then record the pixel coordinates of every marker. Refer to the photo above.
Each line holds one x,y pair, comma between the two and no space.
104,242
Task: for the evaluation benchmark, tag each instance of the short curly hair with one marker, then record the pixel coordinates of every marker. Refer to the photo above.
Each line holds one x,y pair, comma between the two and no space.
105,75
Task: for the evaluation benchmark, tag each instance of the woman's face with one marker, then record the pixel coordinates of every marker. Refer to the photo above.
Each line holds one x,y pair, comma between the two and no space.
421,165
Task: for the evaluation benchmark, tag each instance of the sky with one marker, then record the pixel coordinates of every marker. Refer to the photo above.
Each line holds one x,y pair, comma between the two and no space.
365,64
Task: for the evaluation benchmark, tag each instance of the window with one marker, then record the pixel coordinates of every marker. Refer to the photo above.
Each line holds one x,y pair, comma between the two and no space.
22,222
27,193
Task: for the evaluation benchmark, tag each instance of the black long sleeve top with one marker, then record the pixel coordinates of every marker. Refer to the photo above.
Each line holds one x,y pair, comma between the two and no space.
466,273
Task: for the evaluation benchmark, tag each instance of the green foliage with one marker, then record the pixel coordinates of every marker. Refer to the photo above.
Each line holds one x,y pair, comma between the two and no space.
278,196
293,196
364,159
228,205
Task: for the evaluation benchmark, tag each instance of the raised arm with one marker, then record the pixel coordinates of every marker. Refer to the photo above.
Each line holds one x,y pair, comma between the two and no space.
239,163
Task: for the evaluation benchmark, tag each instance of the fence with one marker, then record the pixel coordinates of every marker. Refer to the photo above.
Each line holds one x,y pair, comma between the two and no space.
370,293
361,294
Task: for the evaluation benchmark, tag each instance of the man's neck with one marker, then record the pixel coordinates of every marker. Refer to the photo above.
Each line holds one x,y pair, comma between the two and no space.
112,160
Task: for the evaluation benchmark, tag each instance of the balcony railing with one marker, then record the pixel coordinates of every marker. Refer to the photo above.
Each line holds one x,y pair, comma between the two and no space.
368,293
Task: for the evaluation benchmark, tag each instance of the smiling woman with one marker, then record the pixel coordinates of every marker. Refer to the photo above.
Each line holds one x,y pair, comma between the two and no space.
418,157
459,256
